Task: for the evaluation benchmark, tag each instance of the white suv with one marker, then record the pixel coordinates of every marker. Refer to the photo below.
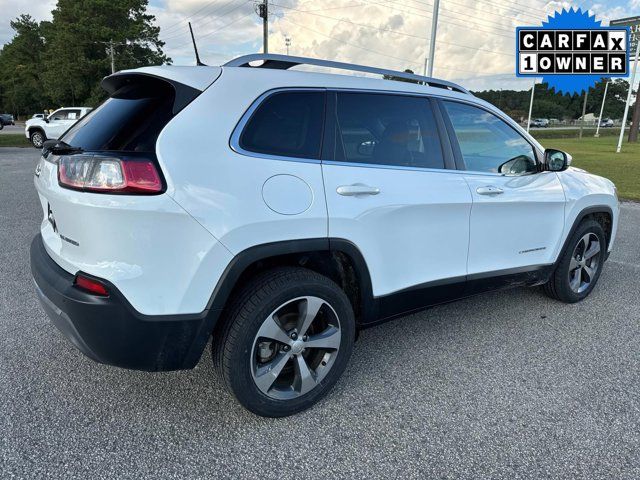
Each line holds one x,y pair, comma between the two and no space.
40,128
278,212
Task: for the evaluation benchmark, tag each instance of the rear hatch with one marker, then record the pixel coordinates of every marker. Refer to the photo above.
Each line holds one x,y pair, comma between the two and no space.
101,186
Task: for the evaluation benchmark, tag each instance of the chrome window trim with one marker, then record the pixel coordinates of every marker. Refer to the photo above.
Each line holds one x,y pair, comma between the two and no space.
234,141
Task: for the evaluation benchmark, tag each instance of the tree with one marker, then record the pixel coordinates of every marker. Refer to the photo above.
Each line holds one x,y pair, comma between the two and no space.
549,104
20,61
77,40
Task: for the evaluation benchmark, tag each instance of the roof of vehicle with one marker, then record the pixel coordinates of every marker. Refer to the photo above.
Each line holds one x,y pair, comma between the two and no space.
275,73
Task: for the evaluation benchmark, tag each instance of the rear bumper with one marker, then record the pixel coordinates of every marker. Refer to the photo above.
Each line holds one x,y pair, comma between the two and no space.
108,329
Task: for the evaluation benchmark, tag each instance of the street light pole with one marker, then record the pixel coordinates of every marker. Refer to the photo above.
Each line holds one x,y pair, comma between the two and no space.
604,97
584,111
533,87
434,28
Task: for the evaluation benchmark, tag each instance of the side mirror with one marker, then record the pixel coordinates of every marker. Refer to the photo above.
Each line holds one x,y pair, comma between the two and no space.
46,119
556,160
517,166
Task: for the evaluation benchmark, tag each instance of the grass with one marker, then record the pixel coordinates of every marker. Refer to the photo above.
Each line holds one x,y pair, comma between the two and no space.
597,155
574,132
14,140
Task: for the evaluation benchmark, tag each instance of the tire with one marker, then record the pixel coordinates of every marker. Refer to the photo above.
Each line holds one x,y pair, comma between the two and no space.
580,266
37,138
268,376
1,125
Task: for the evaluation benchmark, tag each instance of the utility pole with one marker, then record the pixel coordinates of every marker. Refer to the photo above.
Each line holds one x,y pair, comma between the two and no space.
626,106
584,110
434,28
635,118
533,87
287,42
113,63
604,97
263,12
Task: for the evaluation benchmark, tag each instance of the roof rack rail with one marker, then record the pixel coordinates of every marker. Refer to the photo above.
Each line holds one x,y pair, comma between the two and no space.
284,62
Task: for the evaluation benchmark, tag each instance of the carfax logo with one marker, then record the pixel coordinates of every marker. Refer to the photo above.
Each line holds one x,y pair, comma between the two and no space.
572,51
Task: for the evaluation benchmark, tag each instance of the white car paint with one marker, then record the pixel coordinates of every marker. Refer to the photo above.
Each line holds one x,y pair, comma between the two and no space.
166,253
56,123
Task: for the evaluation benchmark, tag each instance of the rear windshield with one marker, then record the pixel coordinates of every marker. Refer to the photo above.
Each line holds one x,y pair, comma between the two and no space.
129,121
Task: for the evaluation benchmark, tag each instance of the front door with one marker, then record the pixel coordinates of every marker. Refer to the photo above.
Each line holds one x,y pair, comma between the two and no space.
389,192
518,211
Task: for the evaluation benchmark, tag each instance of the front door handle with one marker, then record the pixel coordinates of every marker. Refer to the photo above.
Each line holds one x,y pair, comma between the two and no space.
489,190
352,190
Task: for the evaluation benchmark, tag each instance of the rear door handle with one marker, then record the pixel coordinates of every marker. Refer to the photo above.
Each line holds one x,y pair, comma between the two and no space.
352,190
489,190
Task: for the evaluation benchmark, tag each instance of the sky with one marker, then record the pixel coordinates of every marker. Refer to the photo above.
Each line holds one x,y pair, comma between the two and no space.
475,43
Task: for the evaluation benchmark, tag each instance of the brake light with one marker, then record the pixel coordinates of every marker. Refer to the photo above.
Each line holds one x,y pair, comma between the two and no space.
108,174
90,285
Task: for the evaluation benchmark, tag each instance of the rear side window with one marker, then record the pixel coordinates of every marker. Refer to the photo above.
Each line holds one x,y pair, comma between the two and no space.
287,124
384,129
129,121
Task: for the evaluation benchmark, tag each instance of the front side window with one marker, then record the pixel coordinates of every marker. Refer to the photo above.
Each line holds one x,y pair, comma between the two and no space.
287,124
61,115
487,143
384,129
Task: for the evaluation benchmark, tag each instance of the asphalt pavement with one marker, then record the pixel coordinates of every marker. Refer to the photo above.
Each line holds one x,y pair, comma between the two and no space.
505,385
12,129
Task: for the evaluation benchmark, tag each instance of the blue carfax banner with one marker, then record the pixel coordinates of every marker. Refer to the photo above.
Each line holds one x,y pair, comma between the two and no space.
572,51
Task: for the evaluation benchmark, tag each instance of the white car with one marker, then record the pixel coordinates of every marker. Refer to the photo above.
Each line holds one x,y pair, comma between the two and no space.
38,129
278,212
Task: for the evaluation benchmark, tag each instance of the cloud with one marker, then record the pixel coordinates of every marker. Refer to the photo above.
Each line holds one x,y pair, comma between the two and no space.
475,40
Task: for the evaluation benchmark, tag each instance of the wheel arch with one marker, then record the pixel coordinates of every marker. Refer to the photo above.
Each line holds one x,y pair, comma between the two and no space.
603,214
335,258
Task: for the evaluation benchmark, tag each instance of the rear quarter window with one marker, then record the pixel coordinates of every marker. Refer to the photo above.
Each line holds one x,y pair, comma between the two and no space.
129,121
287,124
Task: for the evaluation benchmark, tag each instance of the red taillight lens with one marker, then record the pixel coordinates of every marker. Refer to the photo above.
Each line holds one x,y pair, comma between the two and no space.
90,285
108,175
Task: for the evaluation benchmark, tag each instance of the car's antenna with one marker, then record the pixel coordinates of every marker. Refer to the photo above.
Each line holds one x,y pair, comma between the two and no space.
195,48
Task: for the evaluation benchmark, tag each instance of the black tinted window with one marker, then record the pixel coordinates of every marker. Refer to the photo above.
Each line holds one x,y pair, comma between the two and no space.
286,124
487,143
387,129
130,120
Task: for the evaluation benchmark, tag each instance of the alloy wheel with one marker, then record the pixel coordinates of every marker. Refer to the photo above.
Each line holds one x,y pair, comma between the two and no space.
295,348
37,140
584,263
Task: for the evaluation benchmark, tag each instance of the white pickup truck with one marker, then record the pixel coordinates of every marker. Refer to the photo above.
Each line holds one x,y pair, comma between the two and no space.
37,130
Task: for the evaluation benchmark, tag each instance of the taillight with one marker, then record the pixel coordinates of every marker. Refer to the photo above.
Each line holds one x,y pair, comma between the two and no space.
90,285
108,174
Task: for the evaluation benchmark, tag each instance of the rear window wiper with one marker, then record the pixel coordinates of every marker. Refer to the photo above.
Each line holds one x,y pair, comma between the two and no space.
58,147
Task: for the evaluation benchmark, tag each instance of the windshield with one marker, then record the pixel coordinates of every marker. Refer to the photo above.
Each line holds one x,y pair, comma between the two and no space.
129,121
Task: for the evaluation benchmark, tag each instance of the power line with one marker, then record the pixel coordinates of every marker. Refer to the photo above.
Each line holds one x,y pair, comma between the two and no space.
218,29
181,23
406,60
393,31
511,34
211,20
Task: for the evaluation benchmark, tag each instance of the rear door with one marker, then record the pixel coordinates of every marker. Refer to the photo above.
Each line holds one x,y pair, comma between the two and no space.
518,211
390,192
